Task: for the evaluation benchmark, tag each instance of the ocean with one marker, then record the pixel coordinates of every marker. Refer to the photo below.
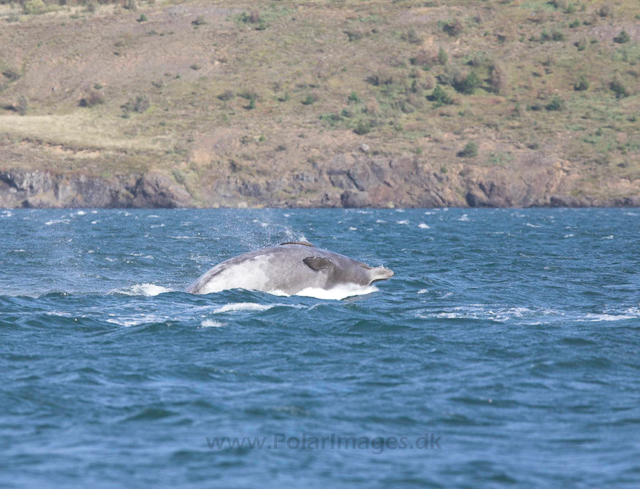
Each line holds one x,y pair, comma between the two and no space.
504,352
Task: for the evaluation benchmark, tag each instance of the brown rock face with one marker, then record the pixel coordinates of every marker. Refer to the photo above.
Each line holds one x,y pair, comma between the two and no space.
22,188
346,180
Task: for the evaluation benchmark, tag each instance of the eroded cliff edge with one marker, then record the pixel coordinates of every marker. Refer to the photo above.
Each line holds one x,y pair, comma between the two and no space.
346,180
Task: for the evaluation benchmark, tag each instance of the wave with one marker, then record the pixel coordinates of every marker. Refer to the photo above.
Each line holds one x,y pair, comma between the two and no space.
210,323
243,306
147,290
337,293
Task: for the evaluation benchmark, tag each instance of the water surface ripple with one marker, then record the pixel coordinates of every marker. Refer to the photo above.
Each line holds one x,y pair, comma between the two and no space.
511,336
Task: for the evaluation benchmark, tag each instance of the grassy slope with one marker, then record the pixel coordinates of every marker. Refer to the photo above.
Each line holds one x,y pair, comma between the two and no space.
311,69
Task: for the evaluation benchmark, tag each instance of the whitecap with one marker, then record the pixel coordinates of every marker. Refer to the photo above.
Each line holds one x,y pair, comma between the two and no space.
423,291
464,218
337,293
81,213
157,226
56,221
608,237
242,306
402,222
422,225
380,221
568,235
95,222
531,225
605,317
147,290
353,229
210,323
150,216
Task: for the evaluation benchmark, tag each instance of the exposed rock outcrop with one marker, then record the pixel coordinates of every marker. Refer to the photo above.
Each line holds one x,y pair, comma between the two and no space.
347,180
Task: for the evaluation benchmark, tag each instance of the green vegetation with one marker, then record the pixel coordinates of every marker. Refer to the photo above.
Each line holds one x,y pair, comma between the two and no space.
622,38
583,84
319,78
469,151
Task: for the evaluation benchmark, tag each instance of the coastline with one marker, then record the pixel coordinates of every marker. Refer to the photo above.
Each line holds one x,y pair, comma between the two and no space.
346,181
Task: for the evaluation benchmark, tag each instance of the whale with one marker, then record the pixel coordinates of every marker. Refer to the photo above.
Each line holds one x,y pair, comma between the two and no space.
288,269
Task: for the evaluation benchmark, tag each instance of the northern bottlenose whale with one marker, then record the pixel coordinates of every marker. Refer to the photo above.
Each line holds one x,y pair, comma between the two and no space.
288,268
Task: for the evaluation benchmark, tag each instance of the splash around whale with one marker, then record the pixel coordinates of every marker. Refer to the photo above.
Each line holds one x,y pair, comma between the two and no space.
293,268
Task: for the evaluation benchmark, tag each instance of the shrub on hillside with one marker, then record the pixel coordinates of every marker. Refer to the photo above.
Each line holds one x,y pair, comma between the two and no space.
440,96
310,99
423,59
619,89
138,104
34,7
622,37
453,27
443,57
22,107
363,127
411,36
92,99
556,104
11,74
498,78
582,85
381,78
469,151
468,84
605,11
226,95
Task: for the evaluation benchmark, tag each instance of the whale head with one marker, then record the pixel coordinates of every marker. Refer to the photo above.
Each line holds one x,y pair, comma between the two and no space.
342,270
379,273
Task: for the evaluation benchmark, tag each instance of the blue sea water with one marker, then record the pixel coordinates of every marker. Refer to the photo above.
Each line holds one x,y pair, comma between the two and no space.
505,352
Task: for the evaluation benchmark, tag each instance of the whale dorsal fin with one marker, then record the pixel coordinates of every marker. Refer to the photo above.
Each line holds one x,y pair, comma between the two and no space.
317,263
303,243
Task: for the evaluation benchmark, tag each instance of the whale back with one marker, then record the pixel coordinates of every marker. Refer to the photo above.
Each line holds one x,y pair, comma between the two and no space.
286,268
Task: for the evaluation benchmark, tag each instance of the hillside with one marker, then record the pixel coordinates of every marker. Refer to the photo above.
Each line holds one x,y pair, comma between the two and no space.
320,103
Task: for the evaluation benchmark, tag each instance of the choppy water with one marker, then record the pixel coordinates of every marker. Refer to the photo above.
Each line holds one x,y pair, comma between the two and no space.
509,338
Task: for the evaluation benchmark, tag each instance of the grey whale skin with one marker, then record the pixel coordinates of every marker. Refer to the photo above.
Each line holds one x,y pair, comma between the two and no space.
288,268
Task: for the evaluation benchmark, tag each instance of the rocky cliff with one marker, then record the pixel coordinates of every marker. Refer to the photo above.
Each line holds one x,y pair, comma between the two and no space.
348,180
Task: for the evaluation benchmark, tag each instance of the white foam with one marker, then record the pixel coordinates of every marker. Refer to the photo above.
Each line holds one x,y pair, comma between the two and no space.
210,323
423,291
380,221
531,225
353,229
337,293
81,213
242,306
422,225
402,222
56,221
464,218
568,235
608,237
606,317
147,290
